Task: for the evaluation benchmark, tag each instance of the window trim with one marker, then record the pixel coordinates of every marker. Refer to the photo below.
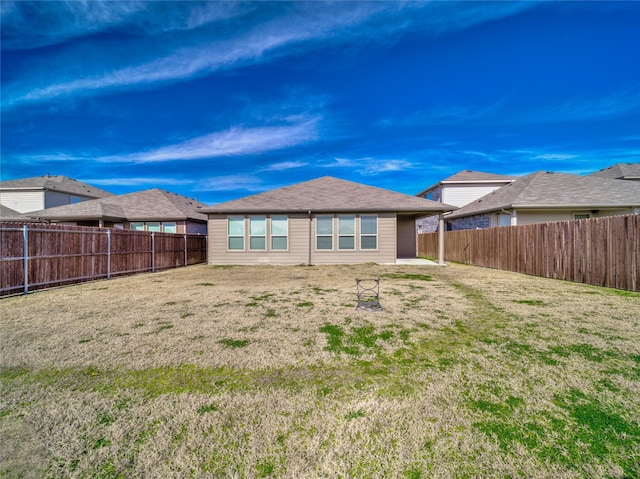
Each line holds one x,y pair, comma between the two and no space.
369,235
240,220
272,236
325,235
342,218
254,219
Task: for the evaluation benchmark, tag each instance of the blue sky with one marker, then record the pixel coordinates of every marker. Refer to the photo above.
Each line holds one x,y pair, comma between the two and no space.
222,100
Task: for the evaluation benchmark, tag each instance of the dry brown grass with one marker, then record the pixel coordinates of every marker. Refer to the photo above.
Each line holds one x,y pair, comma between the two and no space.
271,372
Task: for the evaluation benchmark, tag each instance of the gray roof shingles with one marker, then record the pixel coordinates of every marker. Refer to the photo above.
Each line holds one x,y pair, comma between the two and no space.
148,205
61,184
620,171
328,194
556,190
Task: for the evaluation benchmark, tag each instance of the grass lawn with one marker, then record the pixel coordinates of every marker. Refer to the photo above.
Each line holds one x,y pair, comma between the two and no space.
249,372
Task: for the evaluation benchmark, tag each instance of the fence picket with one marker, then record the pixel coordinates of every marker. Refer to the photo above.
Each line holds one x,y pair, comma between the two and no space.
602,251
39,256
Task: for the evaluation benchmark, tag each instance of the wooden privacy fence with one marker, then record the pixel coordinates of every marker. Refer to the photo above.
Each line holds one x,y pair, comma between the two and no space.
38,256
601,251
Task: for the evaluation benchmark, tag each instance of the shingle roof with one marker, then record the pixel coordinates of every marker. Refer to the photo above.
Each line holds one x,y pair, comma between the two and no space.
328,194
148,205
556,190
470,176
7,214
620,171
61,184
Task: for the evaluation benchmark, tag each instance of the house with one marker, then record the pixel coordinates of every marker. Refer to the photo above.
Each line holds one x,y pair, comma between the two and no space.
458,190
7,214
543,196
40,192
149,210
620,171
325,220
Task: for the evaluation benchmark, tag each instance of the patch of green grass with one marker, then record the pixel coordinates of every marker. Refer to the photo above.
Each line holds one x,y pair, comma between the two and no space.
205,284
530,302
413,276
234,343
82,341
102,442
355,415
170,303
265,468
623,293
305,304
185,315
208,408
271,313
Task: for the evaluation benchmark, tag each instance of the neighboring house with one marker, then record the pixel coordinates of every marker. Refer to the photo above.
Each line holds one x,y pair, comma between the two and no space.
40,192
620,171
458,190
326,220
7,214
150,210
543,196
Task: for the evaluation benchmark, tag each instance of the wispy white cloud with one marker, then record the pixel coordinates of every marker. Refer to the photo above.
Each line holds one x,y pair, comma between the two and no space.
268,33
232,142
284,165
368,165
232,183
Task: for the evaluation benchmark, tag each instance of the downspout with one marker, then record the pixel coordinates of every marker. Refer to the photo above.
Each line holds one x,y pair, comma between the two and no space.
310,221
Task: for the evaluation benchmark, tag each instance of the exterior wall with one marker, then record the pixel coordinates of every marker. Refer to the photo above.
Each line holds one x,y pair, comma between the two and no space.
302,244
469,223
460,195
23,201
406,237
526,217
54,198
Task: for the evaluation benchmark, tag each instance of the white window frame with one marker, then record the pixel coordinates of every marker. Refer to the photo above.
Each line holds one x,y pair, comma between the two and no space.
235,220
369,235
324,235
277,235
259,233
171,225
344,220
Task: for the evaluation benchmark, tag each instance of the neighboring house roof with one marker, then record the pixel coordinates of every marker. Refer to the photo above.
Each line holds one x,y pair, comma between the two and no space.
328,194
470,176
148,205
7,214
555,190
620,171
61,184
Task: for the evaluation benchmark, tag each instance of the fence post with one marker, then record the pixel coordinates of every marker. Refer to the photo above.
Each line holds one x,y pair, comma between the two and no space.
153,252
25,257
108,254
185,250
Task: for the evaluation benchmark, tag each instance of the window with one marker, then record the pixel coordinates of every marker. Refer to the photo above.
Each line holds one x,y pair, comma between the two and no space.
581,216
153,226
346,232
169,228
368,232
235,232
257,232
324,232
279,232
137,226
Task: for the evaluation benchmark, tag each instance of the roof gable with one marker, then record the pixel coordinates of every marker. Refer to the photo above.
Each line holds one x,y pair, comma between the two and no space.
61,184
148,205
470,176
328,194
